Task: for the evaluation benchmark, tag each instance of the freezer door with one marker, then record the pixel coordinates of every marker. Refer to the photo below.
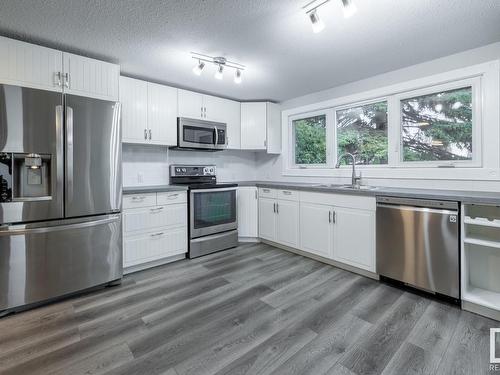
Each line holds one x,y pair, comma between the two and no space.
31,122
93,156
47,260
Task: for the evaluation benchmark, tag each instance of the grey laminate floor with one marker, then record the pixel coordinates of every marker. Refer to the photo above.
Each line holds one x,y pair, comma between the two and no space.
252,310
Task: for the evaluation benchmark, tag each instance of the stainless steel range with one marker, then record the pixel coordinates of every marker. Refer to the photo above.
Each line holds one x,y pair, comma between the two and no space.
213,224
60,195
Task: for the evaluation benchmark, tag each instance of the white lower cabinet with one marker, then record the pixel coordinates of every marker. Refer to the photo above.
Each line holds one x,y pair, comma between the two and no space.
154,229
279,219
336,227
316,229
354,238
248,211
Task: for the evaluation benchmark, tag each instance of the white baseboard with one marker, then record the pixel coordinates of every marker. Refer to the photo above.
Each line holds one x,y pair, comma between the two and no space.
248,239
155,263
481,310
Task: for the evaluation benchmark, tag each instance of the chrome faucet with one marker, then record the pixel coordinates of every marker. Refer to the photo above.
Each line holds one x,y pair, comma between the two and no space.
356,180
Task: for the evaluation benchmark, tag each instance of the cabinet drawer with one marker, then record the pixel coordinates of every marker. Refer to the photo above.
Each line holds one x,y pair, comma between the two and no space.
151,218
288,195
153,246
139,200
171,197
267,193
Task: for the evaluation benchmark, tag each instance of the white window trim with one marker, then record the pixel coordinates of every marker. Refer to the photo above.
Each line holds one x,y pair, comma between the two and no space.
475,83
329,139
489,116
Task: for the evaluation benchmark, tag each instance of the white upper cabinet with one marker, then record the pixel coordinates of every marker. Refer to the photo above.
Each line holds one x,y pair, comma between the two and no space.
253,126
261,127
190,104
134,101
91,78
149,112
29,65
162,114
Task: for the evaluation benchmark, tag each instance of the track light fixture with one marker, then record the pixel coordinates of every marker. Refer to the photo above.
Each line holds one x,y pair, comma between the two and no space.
198,68
311,10
221,63
237,76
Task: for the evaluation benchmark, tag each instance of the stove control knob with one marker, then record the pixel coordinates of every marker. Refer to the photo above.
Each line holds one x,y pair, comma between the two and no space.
178,170
212,170
184,170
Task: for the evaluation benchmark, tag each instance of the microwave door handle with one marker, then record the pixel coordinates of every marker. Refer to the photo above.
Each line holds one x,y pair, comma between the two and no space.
216,136
69,152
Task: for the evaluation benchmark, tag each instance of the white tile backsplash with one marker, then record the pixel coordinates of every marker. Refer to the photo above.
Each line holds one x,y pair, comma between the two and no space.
148,165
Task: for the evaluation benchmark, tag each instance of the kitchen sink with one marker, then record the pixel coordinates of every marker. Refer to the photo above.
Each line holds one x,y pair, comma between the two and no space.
347,187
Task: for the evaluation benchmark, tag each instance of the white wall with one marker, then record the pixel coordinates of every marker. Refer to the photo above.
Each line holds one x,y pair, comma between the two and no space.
148,165
270,167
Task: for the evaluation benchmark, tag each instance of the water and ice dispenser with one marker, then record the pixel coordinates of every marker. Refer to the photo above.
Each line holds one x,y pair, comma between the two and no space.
24,177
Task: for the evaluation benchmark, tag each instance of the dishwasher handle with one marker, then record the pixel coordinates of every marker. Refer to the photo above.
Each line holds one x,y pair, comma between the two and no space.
419,209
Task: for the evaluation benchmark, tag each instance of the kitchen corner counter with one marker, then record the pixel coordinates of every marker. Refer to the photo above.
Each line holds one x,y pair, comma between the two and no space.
152,189
450,195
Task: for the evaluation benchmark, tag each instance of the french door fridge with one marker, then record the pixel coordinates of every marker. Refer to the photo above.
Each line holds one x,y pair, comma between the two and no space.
60,195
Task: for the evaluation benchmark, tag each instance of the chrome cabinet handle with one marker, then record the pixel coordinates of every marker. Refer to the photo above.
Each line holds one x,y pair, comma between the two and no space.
145,133
172,196
334,217
277,208
201,111
329,216
150,134
256,194
138,198
157,234
287,192
156,209
57,79
67,82
274,207
266,190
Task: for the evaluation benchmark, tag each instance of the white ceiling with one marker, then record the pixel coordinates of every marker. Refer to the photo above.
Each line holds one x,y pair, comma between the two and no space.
152,39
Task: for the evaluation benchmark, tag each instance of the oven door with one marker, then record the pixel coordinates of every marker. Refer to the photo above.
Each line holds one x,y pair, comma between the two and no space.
212,211
201,134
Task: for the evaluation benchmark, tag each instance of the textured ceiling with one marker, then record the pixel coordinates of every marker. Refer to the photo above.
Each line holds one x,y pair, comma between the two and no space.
151,39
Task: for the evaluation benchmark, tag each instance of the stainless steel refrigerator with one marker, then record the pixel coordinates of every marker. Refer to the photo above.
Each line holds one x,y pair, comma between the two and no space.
60,195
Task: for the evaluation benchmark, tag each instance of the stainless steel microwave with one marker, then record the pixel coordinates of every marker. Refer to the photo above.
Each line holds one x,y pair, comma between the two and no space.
201,134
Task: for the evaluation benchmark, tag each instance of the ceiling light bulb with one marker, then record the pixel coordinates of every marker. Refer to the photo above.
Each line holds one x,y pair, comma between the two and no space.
219,72
198,68
237,76
317,24
349,8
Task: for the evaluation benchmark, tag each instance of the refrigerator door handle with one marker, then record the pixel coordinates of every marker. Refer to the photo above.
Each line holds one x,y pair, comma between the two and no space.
69,152
22,229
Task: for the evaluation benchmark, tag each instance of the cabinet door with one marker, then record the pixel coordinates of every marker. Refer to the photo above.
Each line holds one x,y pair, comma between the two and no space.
354,238
248,209
134,100
228,112
316,229
267,219
253,126
162,114
190,104
273,123
287,227
91,78
29,65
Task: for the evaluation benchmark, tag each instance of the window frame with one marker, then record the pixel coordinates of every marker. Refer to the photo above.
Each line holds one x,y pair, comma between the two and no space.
291,142
476,161
360,104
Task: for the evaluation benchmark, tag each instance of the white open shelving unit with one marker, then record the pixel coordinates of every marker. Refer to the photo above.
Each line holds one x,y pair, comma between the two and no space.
481,259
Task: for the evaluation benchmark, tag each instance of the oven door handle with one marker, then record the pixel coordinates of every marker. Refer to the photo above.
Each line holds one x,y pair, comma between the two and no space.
213,190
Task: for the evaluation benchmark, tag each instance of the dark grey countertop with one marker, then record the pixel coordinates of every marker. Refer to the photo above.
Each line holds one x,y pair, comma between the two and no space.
152,189
450,195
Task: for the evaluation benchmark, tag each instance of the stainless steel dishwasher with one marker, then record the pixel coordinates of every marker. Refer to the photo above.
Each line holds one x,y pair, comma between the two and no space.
418,243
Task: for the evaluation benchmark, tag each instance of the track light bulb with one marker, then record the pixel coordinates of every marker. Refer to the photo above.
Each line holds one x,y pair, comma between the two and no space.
198,68
237,76
219,72
349,8
317,24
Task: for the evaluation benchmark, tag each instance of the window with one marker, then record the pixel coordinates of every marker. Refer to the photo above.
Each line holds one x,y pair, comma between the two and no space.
362,131
309,140
438,126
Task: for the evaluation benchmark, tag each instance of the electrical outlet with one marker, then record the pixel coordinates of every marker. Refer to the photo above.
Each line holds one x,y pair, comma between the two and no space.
140,178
